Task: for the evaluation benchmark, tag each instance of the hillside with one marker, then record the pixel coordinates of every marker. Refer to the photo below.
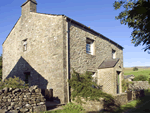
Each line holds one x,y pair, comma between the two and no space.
141,71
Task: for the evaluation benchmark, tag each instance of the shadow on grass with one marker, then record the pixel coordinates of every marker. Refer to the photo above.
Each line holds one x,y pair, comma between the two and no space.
140,105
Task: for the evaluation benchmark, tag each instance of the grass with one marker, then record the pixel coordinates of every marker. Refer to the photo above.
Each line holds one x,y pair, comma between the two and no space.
140,105
136,106
69,108
129,71
63,111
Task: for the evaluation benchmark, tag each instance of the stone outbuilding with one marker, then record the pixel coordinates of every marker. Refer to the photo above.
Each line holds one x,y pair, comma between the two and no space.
129,77
42,49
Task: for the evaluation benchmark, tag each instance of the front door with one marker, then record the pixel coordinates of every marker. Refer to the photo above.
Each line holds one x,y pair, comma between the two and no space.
118,81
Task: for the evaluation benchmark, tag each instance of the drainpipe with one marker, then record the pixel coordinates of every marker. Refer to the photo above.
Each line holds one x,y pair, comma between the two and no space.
68,71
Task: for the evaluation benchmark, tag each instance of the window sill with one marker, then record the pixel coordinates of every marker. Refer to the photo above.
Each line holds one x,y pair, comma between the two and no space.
90,54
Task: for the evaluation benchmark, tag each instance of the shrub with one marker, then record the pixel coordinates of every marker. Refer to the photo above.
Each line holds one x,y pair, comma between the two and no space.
140,78
13,83
81,85
135,69
71,106
125,85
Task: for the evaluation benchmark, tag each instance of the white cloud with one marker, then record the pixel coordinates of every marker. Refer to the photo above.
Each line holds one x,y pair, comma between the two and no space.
136,63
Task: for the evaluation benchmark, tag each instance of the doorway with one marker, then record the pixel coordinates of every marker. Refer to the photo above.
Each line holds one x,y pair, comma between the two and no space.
118,81
27,78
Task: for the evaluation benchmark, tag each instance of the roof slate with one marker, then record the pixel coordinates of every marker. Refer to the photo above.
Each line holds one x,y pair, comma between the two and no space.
128,76
108,63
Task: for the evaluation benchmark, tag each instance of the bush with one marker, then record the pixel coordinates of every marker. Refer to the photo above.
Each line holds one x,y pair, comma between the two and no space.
140,78
13,83
125,85
135,69
71,106
149,80
81,85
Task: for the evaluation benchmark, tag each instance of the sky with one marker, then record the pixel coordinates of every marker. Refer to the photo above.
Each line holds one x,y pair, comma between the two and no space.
98,14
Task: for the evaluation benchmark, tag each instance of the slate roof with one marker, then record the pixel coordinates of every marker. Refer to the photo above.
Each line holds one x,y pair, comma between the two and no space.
108,63
128,76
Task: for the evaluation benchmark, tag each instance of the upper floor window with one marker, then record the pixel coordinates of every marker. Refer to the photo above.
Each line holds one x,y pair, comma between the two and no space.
113,54
25,45
89,46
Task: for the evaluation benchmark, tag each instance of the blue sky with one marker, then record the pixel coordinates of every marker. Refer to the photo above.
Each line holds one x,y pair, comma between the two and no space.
98,14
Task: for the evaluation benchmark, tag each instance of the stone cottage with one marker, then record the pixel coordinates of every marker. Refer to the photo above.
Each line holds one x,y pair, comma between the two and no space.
42,49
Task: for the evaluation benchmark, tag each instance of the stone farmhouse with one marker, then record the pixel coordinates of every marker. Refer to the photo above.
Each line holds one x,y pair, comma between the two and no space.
42,49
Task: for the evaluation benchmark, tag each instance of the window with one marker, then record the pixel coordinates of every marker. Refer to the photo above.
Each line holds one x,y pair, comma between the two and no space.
90,46
25,45
113,54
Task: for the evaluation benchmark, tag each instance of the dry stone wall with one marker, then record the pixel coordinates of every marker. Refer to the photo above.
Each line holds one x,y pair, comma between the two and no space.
121,99
138,85
22,100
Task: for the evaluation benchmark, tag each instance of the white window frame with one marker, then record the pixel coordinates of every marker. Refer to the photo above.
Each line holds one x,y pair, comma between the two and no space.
89,46
24,45
113,53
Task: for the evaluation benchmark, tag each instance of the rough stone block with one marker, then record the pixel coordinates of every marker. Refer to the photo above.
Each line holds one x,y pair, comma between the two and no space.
37,109
3,110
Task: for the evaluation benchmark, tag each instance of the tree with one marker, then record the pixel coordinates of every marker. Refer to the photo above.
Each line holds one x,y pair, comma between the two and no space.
135,69
137,16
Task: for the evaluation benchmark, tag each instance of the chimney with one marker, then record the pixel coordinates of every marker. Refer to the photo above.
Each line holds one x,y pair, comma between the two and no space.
27,7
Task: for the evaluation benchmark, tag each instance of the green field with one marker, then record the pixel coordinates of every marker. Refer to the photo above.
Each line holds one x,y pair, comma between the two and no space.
141,71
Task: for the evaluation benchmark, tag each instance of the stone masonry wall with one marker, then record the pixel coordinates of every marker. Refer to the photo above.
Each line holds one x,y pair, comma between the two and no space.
121,99
45,57
78,55
138,85
107,80
22,100
90,105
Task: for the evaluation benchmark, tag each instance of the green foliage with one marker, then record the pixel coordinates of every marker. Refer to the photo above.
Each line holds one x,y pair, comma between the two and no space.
147,92
81,85
125,85
136,15
13,83
135,69
70,106
141,78
149,80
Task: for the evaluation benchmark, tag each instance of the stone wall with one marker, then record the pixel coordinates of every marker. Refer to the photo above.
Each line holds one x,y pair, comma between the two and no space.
22,100
107,78
92,105
45,57
139,85
78,55
121,99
